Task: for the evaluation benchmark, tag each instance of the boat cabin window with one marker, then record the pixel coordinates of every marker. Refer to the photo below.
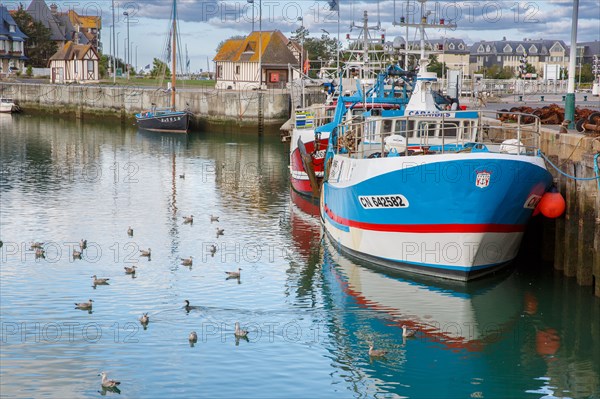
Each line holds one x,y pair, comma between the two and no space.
426,129
450,129
358,111
400,127
386,125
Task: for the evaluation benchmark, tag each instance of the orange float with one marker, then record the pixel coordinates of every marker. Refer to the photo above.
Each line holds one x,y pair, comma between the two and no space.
552,204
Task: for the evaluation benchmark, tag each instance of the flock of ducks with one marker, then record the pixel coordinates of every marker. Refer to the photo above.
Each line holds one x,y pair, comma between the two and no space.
112,385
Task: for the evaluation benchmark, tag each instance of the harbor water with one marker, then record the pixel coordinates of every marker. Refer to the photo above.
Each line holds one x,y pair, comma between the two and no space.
310,312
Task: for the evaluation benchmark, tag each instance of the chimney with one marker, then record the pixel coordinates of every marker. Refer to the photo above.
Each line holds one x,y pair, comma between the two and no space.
76,38
53,9
503,38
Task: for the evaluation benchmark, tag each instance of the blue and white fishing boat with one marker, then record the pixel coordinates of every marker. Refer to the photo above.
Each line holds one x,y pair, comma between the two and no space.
439,192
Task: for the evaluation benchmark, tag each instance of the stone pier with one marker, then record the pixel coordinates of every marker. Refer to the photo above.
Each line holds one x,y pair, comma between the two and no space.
577,233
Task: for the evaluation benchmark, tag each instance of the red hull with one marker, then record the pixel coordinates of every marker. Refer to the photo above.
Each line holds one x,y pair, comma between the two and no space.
298,176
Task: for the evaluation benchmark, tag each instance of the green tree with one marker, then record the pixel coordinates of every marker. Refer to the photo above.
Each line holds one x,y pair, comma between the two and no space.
324,48
222,42
529,68
159,69
105,64
38,47
317,49
300,35
496,72
435,66
586,73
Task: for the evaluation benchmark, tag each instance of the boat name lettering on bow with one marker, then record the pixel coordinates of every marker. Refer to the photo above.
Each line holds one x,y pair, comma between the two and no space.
383,201
430,113
170,119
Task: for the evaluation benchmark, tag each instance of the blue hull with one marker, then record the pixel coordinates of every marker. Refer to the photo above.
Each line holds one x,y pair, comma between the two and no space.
458,216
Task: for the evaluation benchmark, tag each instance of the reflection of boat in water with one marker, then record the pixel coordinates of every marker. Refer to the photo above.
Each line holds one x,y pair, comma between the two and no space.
457,315
305,224
457,325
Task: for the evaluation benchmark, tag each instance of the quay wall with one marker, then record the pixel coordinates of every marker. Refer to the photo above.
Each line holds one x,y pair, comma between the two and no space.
572,241
208,104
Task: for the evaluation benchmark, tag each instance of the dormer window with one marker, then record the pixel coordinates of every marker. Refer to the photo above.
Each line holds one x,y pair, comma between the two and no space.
488,49
520,49
481,49
451,46
533,49
461,46
12,28
250,47
507,49
556,48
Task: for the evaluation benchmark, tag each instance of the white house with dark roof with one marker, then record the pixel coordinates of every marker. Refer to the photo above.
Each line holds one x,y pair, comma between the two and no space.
12,44
237,62
74,63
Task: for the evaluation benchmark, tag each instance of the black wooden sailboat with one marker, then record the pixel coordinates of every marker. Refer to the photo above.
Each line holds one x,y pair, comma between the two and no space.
167,119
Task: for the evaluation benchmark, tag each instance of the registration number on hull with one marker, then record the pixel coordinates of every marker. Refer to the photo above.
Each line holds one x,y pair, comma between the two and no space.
383,201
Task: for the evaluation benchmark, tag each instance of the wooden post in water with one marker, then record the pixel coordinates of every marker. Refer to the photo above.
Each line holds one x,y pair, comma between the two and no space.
559,237
596,264
587,218
571,260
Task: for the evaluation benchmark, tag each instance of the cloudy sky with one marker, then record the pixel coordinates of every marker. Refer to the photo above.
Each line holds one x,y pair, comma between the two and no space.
204,23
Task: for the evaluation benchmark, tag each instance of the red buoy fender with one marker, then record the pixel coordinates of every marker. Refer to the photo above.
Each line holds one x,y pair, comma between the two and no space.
552,204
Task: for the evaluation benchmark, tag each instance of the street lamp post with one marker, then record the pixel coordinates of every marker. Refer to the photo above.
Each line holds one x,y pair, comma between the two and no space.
252,2
301,19
117,43
260,43
128,54
125,53
570,98
113,43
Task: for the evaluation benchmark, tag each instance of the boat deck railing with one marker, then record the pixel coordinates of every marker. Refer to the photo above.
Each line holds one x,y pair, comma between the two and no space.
313,116
442,133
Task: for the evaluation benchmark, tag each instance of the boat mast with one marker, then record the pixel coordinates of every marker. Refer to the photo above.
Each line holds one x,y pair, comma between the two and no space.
174,56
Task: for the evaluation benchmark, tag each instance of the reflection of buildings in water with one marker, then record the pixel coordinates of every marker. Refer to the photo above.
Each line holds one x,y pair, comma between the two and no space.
251,171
